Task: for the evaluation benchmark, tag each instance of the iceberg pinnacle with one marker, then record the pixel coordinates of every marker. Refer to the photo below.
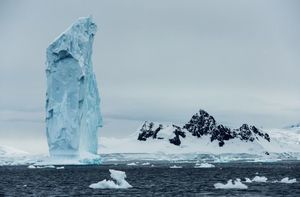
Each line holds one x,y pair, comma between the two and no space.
72,99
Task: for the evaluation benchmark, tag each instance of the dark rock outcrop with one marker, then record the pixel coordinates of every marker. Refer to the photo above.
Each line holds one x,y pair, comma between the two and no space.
203,124
178,132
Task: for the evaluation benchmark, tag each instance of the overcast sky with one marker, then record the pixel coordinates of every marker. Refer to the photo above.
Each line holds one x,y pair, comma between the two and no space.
160,60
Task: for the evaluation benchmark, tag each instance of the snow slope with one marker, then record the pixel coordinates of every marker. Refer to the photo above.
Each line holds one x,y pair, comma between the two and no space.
284,145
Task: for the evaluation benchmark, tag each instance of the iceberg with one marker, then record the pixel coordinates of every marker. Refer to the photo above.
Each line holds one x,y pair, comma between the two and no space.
237,184
204,165
260,179
287,180
119,183
174,166
72,99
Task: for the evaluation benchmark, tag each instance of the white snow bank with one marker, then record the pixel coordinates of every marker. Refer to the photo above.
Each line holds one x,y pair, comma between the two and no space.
60,167
237,184
260,179
175,166
287,180
204,165
120,182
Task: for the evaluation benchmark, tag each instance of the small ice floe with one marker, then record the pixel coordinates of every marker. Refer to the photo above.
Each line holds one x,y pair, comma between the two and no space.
237,184
131,164
247,180
287,180
31,167
152,165
260,179
118,183
204,165
60,167
146,164
174,166
40,167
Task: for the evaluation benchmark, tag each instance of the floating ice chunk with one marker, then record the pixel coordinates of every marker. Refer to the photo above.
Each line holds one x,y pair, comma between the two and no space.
287,180
131,164
60,167
118,183
40,167
237,184
204,165
174,166
248,180
31,167
260,179
146,164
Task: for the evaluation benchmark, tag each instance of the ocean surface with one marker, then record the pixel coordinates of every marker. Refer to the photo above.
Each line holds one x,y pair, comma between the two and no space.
156,179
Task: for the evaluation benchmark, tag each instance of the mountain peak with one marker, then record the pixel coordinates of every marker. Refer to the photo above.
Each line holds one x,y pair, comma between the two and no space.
201,124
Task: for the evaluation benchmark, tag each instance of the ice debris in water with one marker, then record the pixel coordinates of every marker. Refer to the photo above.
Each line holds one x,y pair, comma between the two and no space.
237,184
204,165
119,183
72,99
40,167
174,166
287,180
247,180
260,179
31,167
131,164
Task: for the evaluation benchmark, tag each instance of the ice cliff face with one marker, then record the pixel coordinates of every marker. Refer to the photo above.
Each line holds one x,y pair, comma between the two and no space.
202,125
72,99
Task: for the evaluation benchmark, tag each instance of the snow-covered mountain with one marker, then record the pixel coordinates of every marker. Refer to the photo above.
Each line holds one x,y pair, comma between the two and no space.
6,151
203,135
201,125
200,139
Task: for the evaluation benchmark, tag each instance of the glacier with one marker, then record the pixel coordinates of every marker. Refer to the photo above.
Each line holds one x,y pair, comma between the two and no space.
72,99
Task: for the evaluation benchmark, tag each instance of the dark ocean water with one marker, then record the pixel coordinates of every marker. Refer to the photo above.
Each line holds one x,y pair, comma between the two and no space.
159,180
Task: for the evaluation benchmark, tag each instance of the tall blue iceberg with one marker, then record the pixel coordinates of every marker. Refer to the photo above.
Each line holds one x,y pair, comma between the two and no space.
72,99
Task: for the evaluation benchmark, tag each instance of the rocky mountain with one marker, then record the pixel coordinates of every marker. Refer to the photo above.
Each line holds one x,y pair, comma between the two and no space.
201,125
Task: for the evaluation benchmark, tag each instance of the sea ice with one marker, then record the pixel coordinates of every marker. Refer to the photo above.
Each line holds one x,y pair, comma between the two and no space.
204,165
119,183
131,164
260,179
31,167
287,180
174,166
237,184
72,99
40,167
247,180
